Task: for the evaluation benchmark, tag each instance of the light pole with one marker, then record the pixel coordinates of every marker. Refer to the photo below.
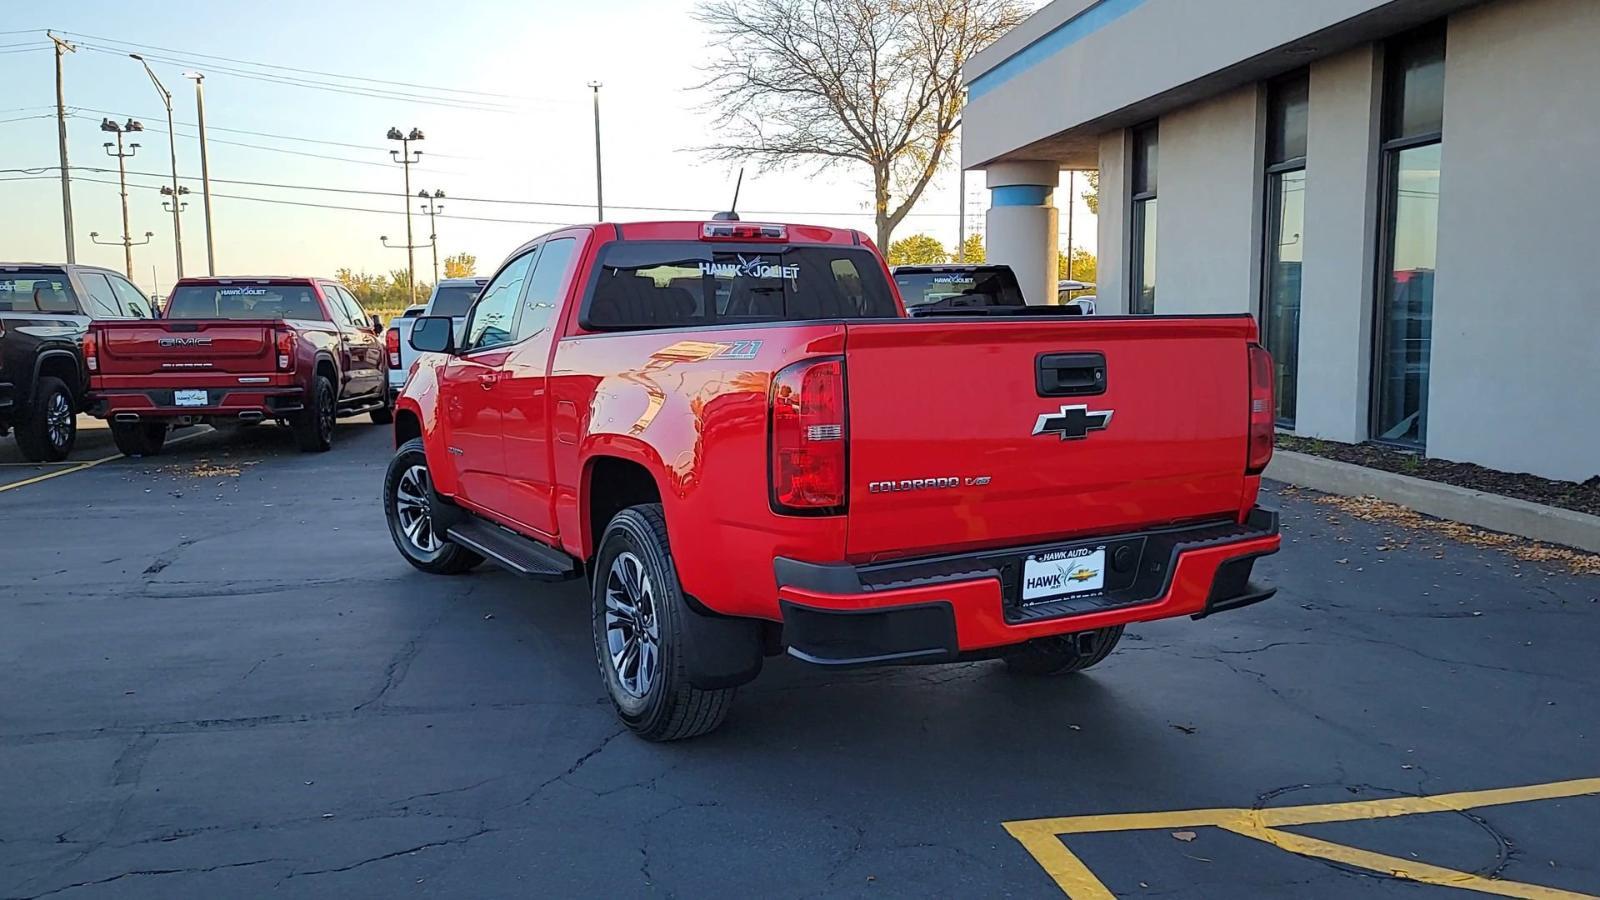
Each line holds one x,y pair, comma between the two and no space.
961,214
199,80
405,156
599,181
172,147
176,201
431,206
131,127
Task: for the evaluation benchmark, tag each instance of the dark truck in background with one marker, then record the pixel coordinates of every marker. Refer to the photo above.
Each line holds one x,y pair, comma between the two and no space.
45,311
299,351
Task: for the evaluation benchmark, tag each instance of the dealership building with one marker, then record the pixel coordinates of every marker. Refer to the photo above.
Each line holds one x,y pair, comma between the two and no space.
1406,194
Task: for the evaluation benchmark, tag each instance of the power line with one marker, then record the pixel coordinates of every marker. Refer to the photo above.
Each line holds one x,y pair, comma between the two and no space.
283,68
376,93
24,50
26,118
266,134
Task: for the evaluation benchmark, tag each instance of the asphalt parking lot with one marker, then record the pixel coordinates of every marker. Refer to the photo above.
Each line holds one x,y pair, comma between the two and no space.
218,678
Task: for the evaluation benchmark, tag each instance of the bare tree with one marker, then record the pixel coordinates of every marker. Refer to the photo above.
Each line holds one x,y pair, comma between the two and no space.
841,82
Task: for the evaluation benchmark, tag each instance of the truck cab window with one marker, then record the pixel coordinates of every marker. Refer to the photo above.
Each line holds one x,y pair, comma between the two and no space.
102,302
494,315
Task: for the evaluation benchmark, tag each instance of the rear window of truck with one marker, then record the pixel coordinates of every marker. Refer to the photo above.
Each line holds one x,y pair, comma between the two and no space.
453,300
36,290
244,301
956,290
660,284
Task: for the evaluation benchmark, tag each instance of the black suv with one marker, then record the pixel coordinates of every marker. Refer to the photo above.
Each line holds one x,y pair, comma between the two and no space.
44,312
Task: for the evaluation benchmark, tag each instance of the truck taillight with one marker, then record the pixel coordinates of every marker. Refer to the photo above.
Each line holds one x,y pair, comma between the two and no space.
285,343
391,344
1263,411
91,354
808,438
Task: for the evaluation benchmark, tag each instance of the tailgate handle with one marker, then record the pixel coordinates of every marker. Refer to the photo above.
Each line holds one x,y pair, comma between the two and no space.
1071,374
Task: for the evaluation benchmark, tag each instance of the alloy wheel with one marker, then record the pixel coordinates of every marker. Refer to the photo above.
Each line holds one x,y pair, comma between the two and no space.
58,420
633,637
412,509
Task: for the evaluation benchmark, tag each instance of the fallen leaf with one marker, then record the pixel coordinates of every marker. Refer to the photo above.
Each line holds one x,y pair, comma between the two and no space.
1185,836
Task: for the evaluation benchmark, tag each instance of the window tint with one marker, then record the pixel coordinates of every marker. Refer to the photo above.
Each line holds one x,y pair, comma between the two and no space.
358,316
544,288
36,290
1146,159
650,284
453,300
493,317
246,301
133,302
101,301
1416,87
1288,102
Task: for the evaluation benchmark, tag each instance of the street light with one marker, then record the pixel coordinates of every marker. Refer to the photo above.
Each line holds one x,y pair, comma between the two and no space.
172,146
131,127
406,157
431,206
205,167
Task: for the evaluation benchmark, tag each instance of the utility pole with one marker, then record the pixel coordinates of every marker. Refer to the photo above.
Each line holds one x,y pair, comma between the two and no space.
62,49
431,206
172,147
205,168
599,180
961,211
405,156
131,127
1071,180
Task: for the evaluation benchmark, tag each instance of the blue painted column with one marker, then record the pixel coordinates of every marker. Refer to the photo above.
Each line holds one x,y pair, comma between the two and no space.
1022,225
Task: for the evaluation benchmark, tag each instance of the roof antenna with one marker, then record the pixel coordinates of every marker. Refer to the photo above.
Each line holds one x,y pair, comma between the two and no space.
732,214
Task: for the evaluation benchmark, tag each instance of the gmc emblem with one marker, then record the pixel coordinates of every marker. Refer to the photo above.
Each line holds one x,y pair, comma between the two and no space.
184,342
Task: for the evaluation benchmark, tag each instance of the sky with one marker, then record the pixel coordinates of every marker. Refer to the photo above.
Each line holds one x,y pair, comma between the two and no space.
517,128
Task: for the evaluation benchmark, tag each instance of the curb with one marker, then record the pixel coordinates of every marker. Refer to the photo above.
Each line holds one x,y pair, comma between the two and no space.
1445,501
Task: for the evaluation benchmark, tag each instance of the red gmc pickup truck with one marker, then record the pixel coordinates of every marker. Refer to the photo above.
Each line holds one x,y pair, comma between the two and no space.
735,433
239,350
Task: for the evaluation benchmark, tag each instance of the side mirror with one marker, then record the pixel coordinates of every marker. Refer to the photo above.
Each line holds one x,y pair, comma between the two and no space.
433,334
377,322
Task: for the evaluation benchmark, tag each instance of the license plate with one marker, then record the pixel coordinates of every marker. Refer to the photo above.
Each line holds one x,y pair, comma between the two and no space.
1062,573
190,398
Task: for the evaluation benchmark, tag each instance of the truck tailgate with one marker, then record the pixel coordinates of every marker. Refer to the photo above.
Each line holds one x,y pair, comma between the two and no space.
147,347
955,445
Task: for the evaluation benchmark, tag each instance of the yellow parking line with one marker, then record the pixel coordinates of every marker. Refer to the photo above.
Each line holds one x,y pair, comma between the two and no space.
1042,838
56,474
1408,869
79,467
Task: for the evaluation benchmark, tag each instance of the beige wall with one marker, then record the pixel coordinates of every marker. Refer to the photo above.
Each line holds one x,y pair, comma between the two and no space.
1516,324
1337,279
1208,206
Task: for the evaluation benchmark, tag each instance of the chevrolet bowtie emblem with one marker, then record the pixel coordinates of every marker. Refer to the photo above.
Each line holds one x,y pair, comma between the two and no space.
1072,422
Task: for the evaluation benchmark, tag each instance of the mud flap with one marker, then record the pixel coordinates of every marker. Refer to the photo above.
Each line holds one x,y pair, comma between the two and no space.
720,651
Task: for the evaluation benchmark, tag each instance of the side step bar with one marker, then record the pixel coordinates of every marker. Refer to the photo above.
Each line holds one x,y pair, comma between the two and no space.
521,555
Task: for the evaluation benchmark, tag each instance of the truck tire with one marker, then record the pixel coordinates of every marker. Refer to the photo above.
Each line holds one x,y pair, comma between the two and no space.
1059,655
313,426
638,619
384,415
49,426
408,505
139,438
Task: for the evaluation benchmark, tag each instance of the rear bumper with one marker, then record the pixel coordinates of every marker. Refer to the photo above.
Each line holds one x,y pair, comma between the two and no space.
934,610
265,402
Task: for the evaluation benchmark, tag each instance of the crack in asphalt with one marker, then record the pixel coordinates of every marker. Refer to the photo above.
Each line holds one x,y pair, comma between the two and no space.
138,872
482,830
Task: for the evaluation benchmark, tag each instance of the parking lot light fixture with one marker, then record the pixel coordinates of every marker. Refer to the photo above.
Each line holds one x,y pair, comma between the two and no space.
172,147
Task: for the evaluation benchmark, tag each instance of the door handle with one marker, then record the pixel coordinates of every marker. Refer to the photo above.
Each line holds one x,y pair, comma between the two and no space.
489,380
1070,374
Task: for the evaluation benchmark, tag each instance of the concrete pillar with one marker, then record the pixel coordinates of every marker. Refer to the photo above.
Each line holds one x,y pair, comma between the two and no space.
1022,225
1336,287
1112,282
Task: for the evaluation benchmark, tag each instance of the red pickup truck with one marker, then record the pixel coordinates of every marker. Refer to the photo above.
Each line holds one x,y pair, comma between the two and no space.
734,431
298,351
